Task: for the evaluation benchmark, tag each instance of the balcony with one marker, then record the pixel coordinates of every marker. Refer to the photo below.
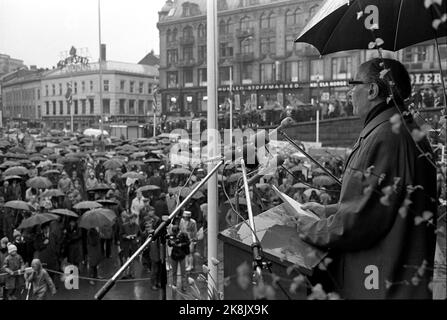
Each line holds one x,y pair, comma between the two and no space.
245,57
186,63
245,33
186,41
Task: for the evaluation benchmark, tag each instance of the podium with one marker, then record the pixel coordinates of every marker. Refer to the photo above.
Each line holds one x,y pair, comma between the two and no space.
281,245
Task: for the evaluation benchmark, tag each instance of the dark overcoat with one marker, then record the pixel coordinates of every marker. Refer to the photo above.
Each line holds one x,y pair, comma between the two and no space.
369,235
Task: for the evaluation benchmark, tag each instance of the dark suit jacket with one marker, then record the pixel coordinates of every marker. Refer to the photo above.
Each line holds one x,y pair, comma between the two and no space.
365,233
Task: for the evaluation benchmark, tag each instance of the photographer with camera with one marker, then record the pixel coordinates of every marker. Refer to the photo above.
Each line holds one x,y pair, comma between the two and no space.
179,242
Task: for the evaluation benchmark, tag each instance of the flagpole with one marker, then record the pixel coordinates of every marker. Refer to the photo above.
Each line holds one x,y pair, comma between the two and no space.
101,123
212,139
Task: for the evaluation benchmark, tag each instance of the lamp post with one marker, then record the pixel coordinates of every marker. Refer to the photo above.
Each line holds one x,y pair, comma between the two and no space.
100,77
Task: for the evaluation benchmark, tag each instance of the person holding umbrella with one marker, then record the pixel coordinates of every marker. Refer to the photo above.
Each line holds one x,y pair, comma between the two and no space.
129,235
73,242
94,252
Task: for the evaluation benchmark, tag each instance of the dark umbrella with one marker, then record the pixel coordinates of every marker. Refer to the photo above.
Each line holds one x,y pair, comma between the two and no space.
8,164
341,25
13,177
64,212
18,205
50,172
113,164
37,220
17,150
152,160
323,181
100,187
16,171
97,218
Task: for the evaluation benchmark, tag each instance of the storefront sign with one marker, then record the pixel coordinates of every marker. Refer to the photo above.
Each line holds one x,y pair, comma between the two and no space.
262,87
425,78
325,84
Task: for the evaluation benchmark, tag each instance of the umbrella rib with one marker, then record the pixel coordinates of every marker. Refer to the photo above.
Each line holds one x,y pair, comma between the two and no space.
397,25
337,26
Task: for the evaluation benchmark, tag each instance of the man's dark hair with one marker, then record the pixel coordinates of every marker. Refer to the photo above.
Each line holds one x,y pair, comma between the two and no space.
398,74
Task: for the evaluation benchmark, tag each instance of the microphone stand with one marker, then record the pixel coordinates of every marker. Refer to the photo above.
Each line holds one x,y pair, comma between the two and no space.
258,264
162,227
308,156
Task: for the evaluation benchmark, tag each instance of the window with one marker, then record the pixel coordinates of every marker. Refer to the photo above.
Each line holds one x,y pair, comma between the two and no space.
83,86
38,93
418,54
149,88
46,91
247,45
187,53
174,35
272,20
68,108
83,106
264,21
225,49
224,75
290,42
186,10
222,27
54,89
141,87
75,102
188,77
122,107
122,84
202,77
290,18
245,23
172,78
267,72
132,83
341,68
60,89
106,85
75,87
268,45
168,36
172,56
131,106
47,107
187,32
316,70
141,107
201,31
92,105
202,53
298,17
61,107
91,85
54,107
247,73
106,106
294,71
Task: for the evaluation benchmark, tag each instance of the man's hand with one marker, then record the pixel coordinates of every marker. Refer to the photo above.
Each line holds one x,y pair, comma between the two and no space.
287,122
318,209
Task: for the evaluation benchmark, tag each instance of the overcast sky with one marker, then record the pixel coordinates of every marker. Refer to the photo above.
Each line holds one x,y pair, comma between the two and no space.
38,31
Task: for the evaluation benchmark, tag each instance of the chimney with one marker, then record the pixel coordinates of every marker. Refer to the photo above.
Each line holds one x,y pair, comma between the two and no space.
103,52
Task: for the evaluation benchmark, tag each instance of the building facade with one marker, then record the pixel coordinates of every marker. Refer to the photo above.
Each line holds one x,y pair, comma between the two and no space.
260,66
21,99
8,64
126,95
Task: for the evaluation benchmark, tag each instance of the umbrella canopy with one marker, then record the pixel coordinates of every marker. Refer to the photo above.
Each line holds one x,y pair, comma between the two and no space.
113,164
135,163
100,187
39,183
149,187
95,132
47,151
37,220
107,202
323,181
152,160
318,170
16,171
132,175
64,212
13,177
37,158
179,171
87,205
300,186
52,193
15,155
398,23
8,164
97,218
18,205
17,150
50,172
139,154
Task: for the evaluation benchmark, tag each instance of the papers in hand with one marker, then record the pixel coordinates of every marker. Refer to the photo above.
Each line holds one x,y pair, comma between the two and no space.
294,207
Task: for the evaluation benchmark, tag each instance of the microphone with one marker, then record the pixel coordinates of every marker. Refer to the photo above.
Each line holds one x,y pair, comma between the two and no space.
269,168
